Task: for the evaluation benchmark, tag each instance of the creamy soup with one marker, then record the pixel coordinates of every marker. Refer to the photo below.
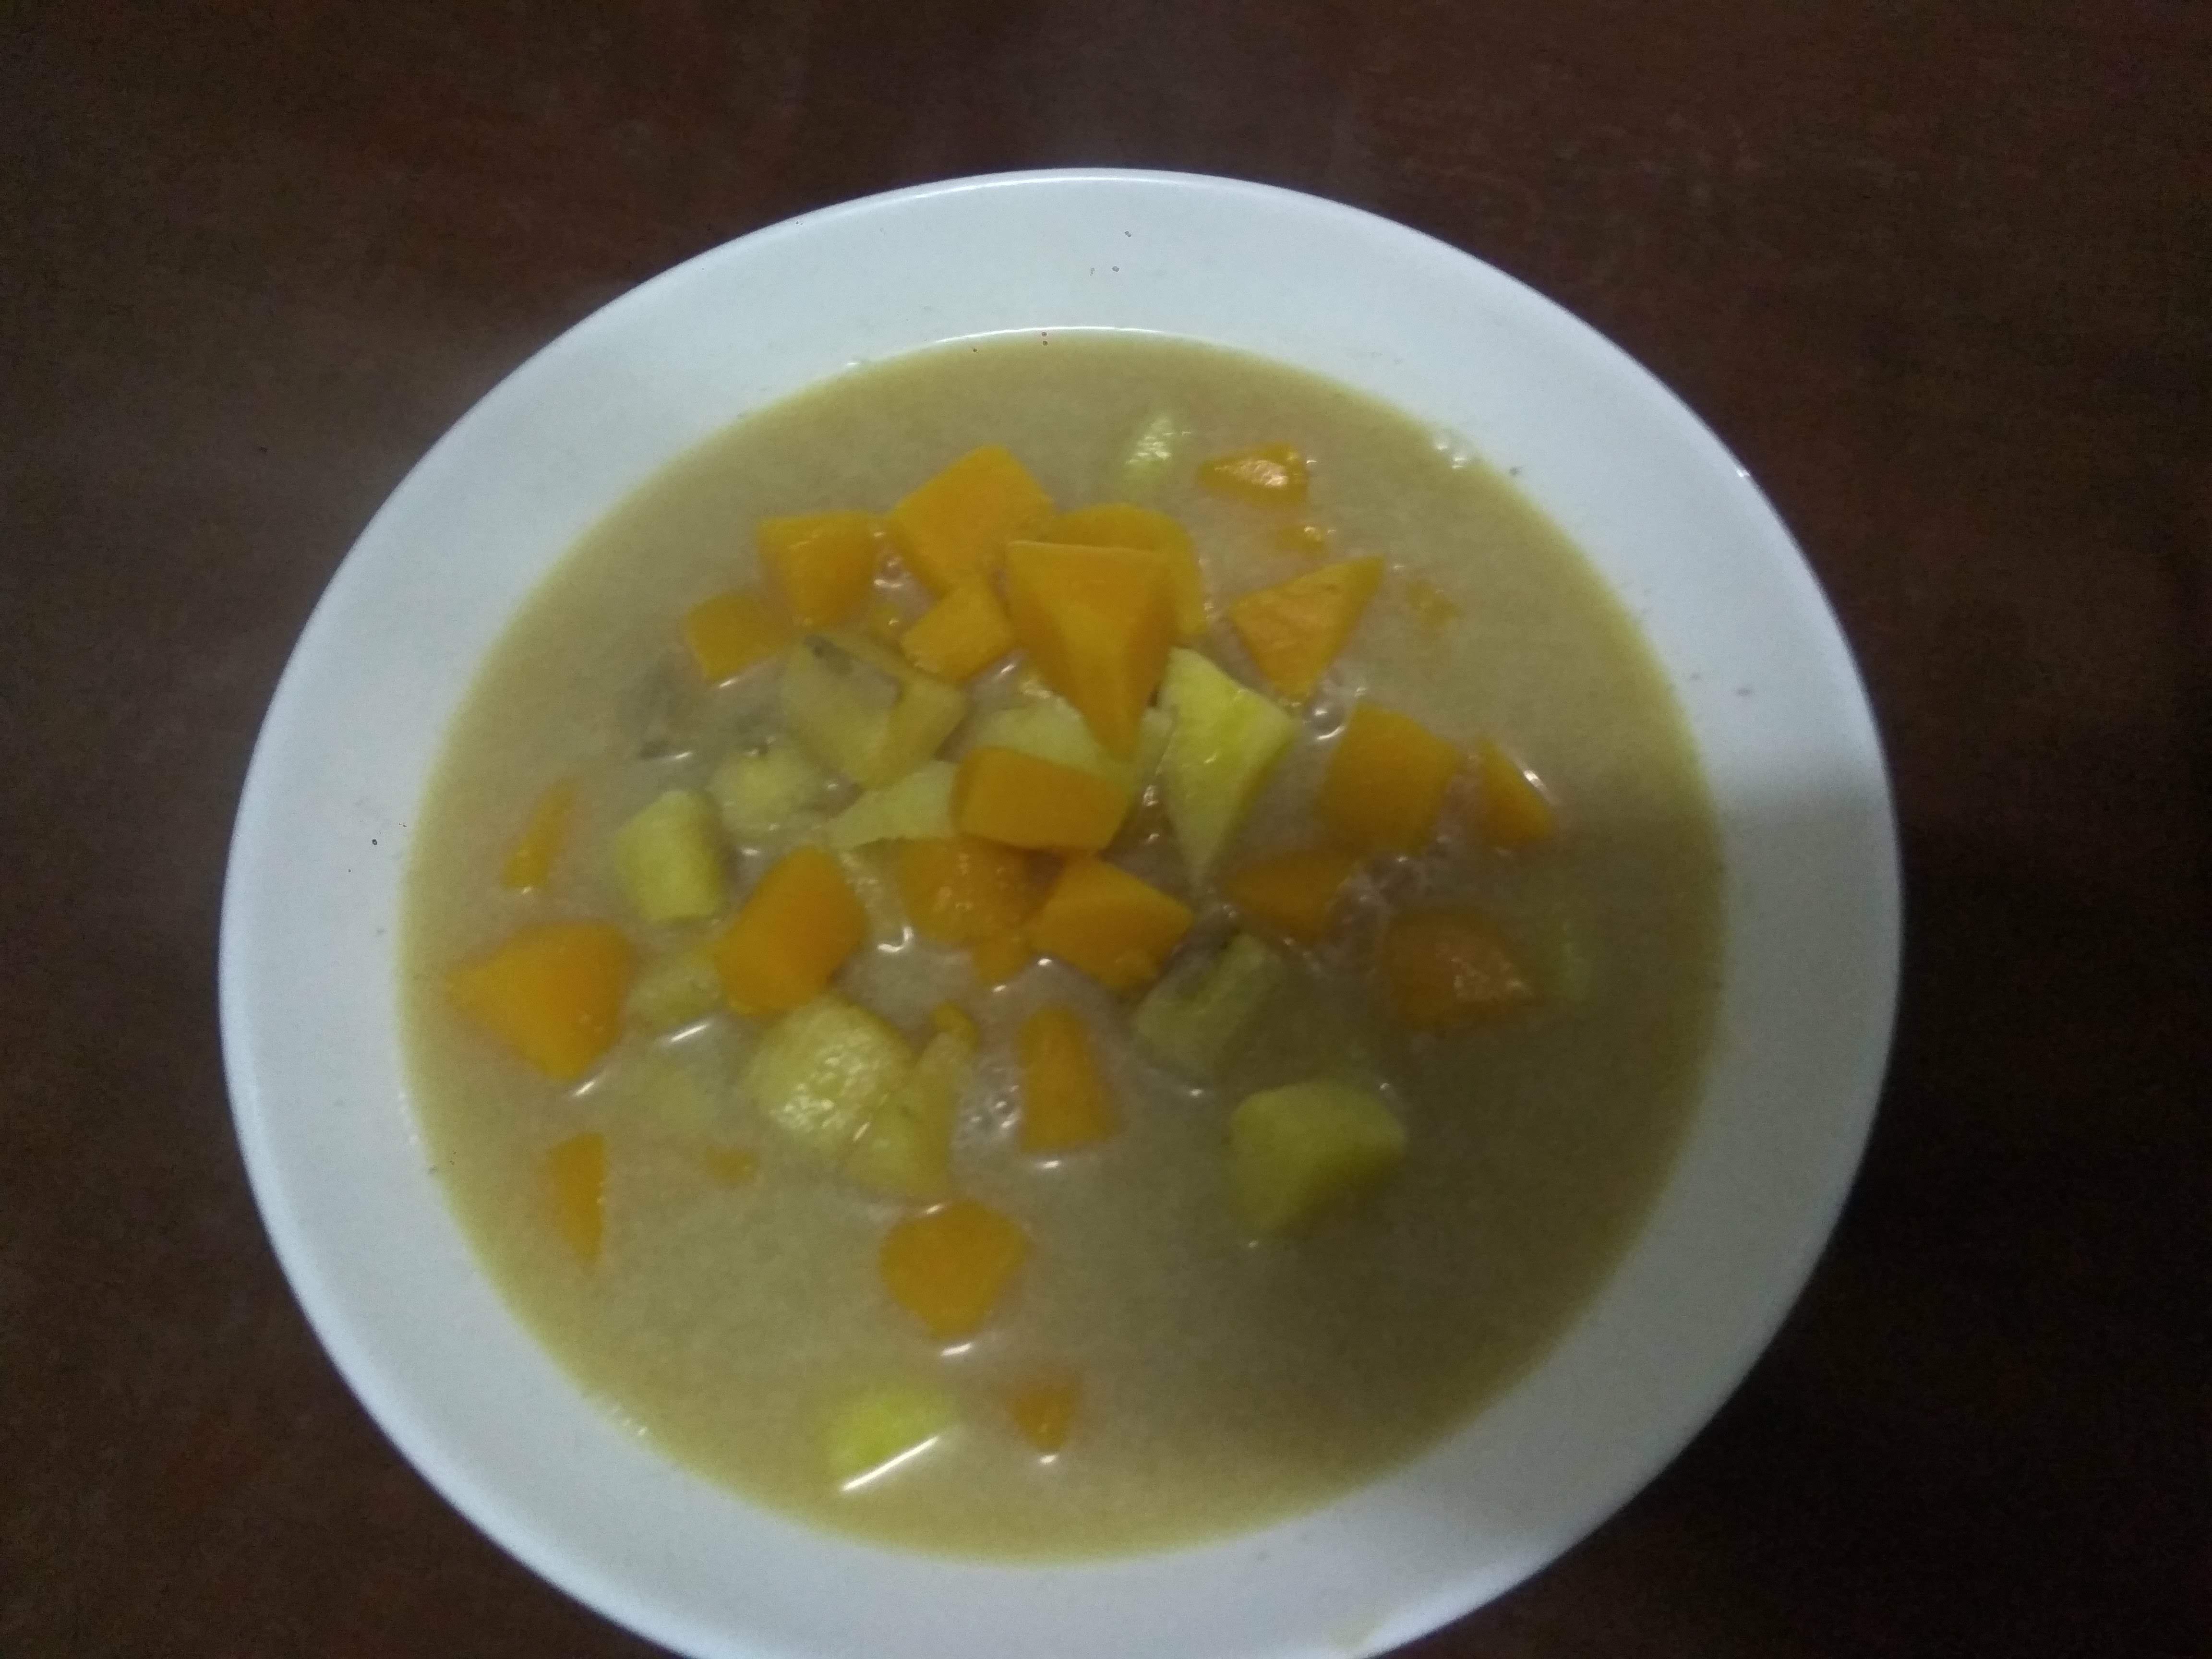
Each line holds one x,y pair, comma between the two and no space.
1021,1030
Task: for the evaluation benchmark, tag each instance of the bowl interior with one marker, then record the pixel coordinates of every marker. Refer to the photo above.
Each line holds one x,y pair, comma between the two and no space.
309,1002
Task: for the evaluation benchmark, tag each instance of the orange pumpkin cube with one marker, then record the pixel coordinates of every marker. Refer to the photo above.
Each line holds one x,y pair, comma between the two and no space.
1043,1410
1292,893
1444,968
964,890
552,993
732,632
1274,475
1514,811
1295,629
962,634
530,861
792,933
824,564
949,1266
1114,927
1021,799
999,957
1098,622
576,1185
1386,781
958,523
1065,1102
1119,524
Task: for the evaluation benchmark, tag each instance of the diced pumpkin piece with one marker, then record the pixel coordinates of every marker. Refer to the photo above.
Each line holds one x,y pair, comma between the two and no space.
728,1166
863,710
1098,623
958,523
949,1266
761,791
1065,1100
961,891
553,993
1291,893
1154,454
1431,604
1514,811
1448,968
1043,1409
1196,1020
824,1070
1226,741
1312,540
1006,796
792,933
919,804
1114,927
675,991
875,1430
1295,629
962,634
529,864
732,632
1272,474
1049,727
1386,783
1298,1152
823,564
670,860
905,1149
999,957
1122,524
576,1185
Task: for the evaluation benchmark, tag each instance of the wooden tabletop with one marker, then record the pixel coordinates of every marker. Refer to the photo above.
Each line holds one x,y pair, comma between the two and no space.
1939,273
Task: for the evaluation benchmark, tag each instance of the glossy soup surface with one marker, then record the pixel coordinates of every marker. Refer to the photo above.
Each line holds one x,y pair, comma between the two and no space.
736,1307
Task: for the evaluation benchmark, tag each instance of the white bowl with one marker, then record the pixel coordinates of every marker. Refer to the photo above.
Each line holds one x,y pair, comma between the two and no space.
308,981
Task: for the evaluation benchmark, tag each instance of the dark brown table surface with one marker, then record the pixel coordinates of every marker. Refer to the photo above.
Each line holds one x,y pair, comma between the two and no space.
1940,273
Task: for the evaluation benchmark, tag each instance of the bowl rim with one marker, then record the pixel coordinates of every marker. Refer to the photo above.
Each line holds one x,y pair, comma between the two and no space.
382,1393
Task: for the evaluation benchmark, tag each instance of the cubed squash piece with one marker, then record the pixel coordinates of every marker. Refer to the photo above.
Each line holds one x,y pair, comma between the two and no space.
1442,969
958,523
999,957
1295,629
919,804
1274,475
1386,783
1196,1020
863,710
1120,524
1154,453
794,930
823,1071
529,863
669,858
905,1149
1020,800
1226,741
962,634
1298,1152
1050,728
576,1188
675,991
553,993
1514,811
949,1267
1113,927
732,632
959,890
1097,622
1292,893
1043,1409
823,565
1065,1102
758,791
869,1434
